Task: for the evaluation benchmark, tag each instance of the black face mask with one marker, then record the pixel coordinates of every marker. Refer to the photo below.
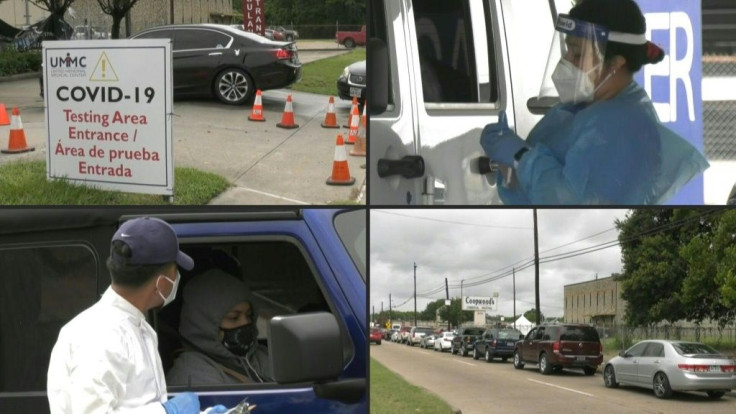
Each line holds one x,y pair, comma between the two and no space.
239,340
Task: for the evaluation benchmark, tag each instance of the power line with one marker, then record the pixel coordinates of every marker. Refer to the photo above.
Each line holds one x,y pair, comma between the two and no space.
451,221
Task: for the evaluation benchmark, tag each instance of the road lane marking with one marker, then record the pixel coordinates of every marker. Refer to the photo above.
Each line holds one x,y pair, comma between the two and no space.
562,388
466,363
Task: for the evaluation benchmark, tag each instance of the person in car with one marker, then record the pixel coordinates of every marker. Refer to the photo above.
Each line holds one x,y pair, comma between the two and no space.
219,334
106,359
604,144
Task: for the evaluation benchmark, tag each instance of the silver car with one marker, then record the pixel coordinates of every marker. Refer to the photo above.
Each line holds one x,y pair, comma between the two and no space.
667,366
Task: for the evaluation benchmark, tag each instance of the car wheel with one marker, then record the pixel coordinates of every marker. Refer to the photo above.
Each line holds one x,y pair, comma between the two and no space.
609,377
379,342
662,387
349,43
233,86
488,356
452,349
518,364
475,353
544,366
714,395
589,370
463,351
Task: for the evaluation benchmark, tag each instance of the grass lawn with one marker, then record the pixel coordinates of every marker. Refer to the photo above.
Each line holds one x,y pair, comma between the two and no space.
391,394
321,76
25,183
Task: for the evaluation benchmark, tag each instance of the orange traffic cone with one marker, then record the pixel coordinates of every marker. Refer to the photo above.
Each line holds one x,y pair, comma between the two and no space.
340,172
354,125
287,120
4,115
350,116
256,113
330,117
359,148
17,141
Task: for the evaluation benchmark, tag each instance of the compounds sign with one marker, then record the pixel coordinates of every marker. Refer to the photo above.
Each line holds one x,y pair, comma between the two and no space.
478,303
254,20
107,114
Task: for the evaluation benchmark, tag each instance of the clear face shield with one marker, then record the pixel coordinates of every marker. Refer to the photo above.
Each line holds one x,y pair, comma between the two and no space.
575,62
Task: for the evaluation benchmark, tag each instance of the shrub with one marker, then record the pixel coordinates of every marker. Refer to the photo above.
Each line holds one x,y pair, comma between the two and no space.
13,62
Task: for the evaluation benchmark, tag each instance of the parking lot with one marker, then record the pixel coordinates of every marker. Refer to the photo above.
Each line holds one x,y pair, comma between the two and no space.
265,164
475,386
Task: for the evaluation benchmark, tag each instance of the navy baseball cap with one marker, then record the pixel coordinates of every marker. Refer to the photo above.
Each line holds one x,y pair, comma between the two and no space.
152,241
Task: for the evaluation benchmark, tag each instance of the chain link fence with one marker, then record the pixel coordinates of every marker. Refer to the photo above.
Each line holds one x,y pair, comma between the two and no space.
625,336
719,122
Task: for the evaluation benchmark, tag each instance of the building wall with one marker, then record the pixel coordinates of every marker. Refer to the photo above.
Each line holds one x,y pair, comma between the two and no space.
13,12
596,302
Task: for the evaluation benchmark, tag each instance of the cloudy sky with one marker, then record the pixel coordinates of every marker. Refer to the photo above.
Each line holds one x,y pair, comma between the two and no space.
474,245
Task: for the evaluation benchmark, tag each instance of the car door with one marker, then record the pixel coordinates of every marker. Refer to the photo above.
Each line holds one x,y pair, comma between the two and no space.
197,53
649,363
529,347
626,368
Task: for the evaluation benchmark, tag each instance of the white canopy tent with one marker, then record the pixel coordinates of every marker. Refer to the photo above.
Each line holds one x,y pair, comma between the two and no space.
523,325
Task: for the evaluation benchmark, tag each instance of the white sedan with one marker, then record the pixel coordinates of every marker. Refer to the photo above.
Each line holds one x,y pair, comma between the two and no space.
444,341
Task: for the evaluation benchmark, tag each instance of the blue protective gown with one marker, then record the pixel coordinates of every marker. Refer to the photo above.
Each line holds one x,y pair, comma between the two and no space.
608,152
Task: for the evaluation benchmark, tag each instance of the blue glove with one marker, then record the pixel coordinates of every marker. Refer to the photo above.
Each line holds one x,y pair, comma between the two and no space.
499,142
187,403
218,409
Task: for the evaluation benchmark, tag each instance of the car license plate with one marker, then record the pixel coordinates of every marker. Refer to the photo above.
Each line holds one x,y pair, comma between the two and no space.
581,358
511,343
355,92
715,368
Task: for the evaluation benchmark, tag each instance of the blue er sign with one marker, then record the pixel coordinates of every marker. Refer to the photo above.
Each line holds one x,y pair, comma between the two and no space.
675,83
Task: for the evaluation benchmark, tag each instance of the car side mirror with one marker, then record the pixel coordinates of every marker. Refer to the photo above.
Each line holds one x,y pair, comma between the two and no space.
623,354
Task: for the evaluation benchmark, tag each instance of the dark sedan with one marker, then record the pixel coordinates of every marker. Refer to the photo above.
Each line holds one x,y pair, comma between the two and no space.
497,343
230,64
352,82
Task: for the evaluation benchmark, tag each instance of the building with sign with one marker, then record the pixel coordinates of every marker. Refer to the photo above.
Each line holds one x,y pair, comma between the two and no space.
597,302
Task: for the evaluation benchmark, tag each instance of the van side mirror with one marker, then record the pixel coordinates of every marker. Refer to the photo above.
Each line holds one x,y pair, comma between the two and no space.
378,71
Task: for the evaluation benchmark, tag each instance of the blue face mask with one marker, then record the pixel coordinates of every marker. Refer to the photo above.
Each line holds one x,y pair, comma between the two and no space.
240,340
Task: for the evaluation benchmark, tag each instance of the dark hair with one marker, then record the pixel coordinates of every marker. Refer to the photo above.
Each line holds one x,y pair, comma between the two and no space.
126,274
620,16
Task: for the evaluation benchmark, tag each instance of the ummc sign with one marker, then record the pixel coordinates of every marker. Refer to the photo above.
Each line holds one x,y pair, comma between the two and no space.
253,16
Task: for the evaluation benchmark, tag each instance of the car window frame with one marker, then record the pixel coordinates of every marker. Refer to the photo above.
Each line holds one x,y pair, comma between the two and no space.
179,30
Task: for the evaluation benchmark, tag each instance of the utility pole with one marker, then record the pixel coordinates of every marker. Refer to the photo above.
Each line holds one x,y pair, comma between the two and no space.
447,298
536,267
374,313
415,293
461,289
389,308
514,277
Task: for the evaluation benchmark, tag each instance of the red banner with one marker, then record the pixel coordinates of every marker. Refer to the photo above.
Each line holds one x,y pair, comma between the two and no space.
254,19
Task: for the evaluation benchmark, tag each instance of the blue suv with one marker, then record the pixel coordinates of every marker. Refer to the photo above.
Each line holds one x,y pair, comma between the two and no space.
306,269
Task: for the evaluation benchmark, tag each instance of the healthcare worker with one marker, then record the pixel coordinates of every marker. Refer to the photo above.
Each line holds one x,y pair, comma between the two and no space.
219,334
106,359
604,143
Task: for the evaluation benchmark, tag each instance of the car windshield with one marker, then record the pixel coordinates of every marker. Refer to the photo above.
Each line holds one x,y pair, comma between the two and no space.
694,348
579,333
509,334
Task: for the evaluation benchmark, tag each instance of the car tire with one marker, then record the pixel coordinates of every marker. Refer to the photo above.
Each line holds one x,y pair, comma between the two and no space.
518,363
589,371
233,86
475,353
488,356
378,343
349,43
544,367
609,377
714,395
452,349
661,386
463,351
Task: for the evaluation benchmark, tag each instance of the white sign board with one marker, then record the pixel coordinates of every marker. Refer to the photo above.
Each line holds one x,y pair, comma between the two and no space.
108,106
478,303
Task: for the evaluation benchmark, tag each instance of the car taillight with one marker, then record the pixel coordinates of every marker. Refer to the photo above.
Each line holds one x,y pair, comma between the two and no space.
728,368
601,348
282,54
556,346
493,343
695,368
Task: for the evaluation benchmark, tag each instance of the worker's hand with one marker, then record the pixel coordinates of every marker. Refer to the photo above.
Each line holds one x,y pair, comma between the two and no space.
186,403
218,409
499,142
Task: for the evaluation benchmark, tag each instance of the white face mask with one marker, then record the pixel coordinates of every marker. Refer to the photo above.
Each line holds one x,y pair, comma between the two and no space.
574,85
172,294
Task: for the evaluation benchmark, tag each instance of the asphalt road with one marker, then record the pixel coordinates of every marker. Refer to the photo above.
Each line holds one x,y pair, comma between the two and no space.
472,386
265,164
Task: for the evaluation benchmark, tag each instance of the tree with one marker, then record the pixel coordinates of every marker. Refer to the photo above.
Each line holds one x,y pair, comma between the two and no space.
54,24
531,314
117,9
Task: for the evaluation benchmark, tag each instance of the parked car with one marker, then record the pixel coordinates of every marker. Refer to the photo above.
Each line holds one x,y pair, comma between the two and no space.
555,347
396,336
667,366
388,334
417,333
352,81
497,343
444,341
227,63
405,331
286,34
291,259
427,341
464,342
351,39
375,336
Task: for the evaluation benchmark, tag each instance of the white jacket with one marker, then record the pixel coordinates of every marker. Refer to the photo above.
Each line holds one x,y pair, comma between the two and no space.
106,360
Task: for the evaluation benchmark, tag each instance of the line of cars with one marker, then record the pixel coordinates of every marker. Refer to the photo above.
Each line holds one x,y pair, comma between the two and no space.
664,366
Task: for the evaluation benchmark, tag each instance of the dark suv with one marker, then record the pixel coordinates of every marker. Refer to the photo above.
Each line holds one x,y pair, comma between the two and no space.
497,343
554,347
464,342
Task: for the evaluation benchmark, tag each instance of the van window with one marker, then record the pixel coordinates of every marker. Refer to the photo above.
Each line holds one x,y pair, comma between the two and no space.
455,48
42,287
350,227
579,333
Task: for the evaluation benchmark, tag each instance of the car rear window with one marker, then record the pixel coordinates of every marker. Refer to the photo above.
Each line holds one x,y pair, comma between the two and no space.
509,334
579,333
694,348
473,331
424,330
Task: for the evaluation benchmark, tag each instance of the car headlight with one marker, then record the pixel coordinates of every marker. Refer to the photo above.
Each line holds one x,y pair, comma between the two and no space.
346,72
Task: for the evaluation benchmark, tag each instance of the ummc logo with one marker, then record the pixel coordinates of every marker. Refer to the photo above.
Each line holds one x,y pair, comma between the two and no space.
68,62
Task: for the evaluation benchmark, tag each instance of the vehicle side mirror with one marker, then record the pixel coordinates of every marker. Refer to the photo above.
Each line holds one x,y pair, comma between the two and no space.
377,69
623,354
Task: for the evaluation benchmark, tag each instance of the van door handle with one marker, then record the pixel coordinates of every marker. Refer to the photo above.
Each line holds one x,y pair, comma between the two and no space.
411,166
215,54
